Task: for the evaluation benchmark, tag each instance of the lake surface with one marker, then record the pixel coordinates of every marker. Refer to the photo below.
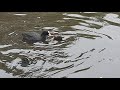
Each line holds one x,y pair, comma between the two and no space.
90,46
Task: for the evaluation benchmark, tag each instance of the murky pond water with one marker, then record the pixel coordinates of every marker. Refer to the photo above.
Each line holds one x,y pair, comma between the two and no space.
90,46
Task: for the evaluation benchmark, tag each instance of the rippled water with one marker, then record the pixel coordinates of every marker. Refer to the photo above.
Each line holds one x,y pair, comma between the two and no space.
90,47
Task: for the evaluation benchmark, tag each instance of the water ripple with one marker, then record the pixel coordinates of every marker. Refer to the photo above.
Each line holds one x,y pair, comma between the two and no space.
90,46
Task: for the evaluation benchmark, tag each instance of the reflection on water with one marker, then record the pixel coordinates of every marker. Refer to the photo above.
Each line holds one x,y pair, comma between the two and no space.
90,46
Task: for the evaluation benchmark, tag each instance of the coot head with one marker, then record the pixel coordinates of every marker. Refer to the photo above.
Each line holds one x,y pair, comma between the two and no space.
45,33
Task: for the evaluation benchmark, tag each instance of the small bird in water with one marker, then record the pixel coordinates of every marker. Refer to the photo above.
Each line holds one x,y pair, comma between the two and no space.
33,37
25,62
58,38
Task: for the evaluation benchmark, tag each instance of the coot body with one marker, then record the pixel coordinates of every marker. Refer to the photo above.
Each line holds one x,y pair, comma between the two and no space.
32,37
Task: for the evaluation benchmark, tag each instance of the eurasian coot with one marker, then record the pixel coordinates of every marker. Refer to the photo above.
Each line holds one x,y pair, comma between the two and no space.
33,37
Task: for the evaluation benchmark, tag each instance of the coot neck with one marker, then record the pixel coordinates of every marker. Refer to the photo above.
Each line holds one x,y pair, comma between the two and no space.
43,38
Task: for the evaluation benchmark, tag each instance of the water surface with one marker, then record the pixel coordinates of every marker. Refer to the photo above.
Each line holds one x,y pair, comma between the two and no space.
90,47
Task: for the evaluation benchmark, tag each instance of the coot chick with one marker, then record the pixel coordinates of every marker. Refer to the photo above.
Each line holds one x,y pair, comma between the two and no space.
25,62
58,38
33,37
